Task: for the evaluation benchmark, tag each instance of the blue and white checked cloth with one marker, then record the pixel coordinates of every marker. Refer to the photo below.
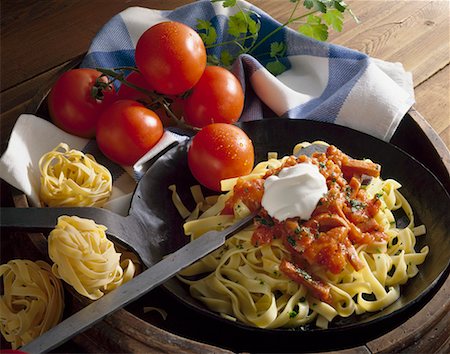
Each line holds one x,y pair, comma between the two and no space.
324,82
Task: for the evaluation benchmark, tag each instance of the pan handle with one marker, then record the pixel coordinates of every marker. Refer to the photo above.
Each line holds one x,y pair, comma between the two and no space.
45,219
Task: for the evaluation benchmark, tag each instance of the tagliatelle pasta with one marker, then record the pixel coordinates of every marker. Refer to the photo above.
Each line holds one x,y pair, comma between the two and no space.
32,301
71,178
84,257
256,282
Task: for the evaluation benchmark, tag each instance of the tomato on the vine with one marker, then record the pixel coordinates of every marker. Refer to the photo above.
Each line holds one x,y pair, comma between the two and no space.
136,79
220,151
217,98
71,104
127,130
171,56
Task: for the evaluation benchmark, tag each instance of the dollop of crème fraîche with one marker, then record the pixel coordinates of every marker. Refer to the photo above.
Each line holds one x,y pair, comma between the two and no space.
294,192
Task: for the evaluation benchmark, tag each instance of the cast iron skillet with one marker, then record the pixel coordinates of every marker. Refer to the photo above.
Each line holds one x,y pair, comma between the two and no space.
153,215
427,196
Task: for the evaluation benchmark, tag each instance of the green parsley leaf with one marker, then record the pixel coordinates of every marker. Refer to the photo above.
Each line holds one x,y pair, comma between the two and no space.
334,18
213,59
276,67
253,27
226,3
226,58
238,24
277,49
210,35
340,5
316,4
203,24
314,28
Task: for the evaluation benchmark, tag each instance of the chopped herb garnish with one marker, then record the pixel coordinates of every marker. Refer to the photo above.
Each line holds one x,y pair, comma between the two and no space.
303,273
293,314
357,205
266,222
291,241
348,191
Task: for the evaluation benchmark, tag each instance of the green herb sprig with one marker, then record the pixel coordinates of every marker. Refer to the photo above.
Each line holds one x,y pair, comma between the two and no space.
244,27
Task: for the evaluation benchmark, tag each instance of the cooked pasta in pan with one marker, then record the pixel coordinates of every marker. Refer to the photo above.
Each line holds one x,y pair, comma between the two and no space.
346,256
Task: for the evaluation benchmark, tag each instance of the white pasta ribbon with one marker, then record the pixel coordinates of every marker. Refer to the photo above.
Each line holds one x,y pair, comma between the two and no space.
71,178
84,258
243,282
32,301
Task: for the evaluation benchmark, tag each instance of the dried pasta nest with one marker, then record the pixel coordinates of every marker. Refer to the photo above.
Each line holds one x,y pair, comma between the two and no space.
32,301
84,258
72,178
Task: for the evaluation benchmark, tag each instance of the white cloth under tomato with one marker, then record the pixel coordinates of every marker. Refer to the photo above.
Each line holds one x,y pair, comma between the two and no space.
32,137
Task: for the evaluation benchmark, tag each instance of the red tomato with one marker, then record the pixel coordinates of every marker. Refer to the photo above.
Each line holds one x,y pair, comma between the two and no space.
171,56
71,106
220,151
127,130
217,98
127,92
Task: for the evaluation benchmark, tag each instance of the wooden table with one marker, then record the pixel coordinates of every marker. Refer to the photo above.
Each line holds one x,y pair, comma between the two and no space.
38,38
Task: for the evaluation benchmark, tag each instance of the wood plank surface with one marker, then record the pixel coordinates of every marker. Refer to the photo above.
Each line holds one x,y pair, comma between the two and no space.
54,32
39,38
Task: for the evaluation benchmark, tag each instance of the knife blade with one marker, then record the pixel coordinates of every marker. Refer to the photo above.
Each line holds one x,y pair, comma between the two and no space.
134,289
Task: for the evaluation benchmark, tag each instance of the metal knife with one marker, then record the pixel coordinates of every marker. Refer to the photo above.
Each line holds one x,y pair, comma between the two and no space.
134,289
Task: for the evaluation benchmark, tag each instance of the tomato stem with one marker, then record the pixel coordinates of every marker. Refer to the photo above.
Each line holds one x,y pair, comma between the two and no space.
118,74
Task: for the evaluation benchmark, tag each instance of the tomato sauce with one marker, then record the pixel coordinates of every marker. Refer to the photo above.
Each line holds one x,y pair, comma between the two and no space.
342,220
249,192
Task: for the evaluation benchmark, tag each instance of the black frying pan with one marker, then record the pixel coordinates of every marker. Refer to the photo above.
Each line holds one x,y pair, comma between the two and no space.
428,198
155,226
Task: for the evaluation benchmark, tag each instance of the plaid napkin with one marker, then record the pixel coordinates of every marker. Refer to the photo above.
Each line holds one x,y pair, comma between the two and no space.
323,82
